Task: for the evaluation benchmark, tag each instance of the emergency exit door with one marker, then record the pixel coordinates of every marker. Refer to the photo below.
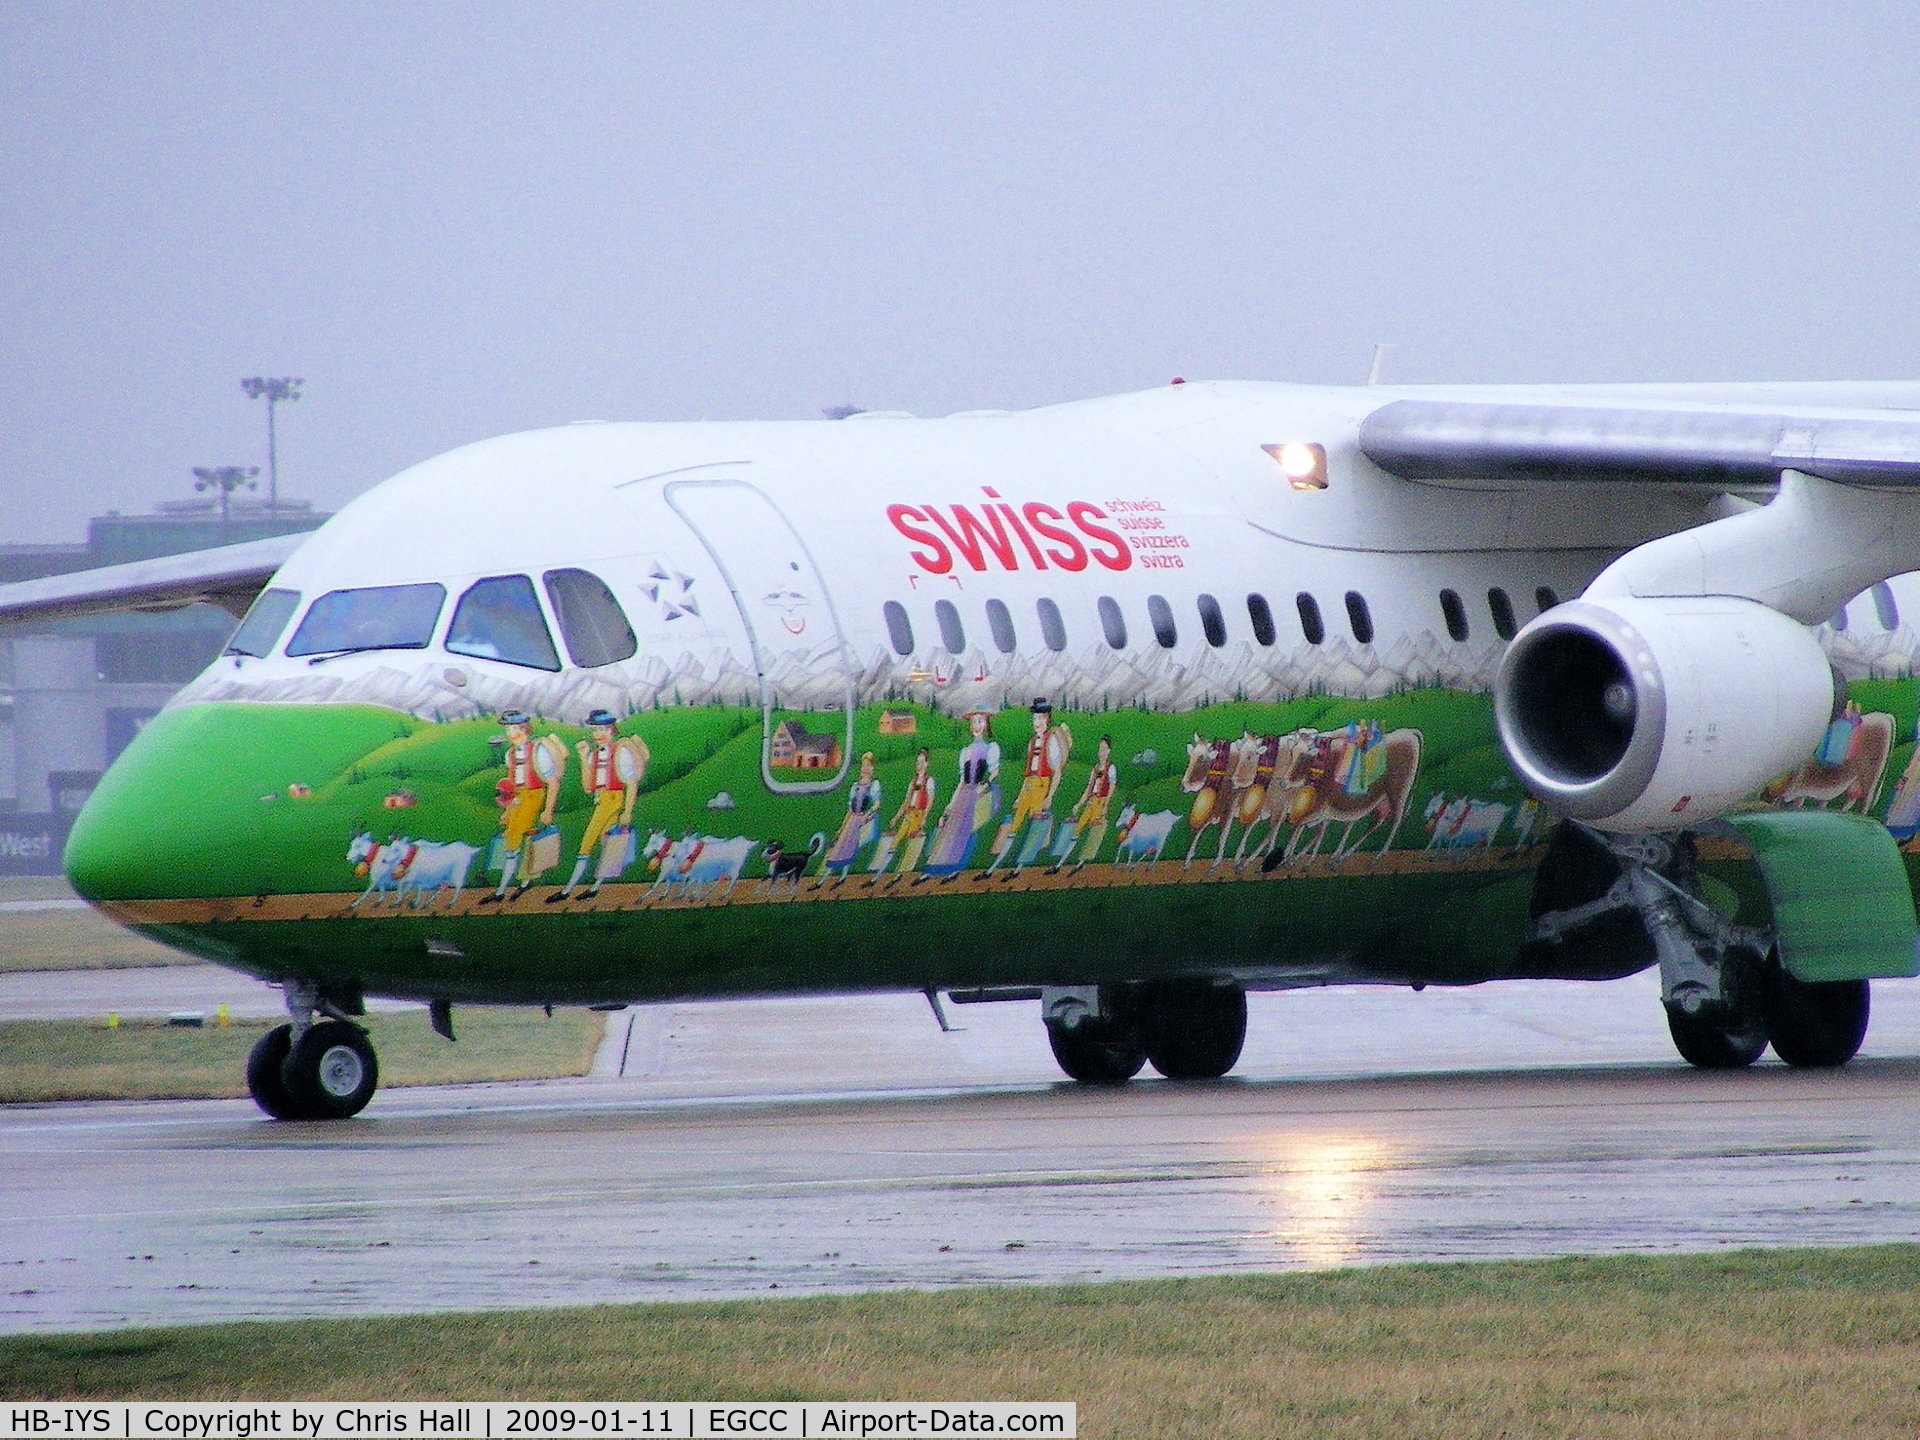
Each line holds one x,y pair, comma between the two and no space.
799,654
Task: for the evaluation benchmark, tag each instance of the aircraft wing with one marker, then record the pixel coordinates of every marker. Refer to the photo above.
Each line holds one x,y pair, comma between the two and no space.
1467,440
229,576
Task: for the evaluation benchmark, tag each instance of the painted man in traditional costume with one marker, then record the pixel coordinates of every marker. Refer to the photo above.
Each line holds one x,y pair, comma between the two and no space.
611,769
1090,811
907,832
1040,777
528,792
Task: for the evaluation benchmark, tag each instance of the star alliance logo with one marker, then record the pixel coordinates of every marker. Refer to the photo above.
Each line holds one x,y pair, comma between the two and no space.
671,591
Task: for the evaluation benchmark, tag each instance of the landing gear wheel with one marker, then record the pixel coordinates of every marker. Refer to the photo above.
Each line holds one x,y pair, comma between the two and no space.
1716,1039
1817,1024
1732,1034
1194,1029
266,1081
1099,1050
331,1072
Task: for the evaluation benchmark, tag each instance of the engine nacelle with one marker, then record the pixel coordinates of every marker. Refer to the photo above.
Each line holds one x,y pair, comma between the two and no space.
1645,715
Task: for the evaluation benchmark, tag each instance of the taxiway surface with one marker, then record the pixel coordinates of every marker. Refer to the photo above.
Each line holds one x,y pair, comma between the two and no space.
794,1146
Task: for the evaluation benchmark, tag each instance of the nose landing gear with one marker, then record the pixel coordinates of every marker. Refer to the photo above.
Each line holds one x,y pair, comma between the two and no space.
312,1070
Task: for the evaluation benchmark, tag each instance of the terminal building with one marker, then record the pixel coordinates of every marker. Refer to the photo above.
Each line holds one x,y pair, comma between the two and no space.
74,693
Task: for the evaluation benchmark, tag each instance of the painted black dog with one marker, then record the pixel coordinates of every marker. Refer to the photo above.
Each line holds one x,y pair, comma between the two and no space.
790,865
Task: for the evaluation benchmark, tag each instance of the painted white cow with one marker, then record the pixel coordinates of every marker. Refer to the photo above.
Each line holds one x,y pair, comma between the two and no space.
370,858
436,867
1460,823
404,870
1139,836
697,863
1524,821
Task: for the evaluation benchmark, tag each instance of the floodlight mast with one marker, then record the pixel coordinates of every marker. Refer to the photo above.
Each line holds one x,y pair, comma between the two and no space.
226,479
273,391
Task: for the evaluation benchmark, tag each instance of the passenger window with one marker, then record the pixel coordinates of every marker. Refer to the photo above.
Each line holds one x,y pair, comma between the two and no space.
499,619
899,627
1261,614
1545,599
1311,625
266,619
1113,622
947,615
591,620
1359,617
1502,608
1212,621
385,617
1000,622
1052,629
1161,614
1456,614
1885,608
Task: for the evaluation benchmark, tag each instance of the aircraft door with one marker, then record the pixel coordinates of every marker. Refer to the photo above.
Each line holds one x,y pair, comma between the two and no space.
799,654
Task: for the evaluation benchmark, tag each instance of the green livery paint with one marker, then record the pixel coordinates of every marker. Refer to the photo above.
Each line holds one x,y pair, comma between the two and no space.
288,815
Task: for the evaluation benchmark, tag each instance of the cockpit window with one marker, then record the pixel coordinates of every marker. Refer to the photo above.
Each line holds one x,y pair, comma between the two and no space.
383,617
591,621
266,621
499,619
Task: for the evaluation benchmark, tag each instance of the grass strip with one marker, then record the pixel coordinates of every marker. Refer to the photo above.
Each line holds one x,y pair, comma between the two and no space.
1749,1344
151,1060
77,940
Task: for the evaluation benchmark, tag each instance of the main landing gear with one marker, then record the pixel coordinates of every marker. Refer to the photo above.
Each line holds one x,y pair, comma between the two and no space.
1188,1029
312,1069
1727,996
1809,1025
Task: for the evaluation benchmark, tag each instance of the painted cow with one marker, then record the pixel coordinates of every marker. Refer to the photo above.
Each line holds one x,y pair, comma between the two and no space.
1314,800
1142,836
1459,824
436,867
405,870
1208,762
364,854
698,863
1857,777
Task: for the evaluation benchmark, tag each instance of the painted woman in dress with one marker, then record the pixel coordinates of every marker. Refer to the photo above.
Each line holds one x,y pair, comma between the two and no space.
975,802
861,824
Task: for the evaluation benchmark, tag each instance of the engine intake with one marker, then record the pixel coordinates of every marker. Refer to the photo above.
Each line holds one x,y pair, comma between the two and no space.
1655,714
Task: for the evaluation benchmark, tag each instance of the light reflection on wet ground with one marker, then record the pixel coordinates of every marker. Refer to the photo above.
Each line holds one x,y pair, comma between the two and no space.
799,1146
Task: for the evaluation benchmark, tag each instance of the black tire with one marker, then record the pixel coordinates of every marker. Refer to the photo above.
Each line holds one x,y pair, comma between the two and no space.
1817,1025
1732,1034
331,1072
1715,1039
1194,1029
266,1078
1098,1051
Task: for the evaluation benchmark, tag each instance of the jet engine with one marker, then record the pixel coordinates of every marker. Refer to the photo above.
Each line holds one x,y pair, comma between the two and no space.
1642,715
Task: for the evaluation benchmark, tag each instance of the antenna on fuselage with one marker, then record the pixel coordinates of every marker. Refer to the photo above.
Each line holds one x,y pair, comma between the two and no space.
1380,348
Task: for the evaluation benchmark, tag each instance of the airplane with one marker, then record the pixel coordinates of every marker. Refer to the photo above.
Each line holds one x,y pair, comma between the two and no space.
1129,706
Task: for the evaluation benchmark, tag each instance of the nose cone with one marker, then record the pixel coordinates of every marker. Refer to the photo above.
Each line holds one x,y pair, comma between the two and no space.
199,804
159,821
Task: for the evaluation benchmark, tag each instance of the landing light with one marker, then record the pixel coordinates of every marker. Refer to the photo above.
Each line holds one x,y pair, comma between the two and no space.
1304,465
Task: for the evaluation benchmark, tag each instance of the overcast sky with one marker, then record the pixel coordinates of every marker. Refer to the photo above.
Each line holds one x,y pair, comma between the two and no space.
459,220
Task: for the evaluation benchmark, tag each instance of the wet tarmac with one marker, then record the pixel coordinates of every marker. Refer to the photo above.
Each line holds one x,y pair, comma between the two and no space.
800,1146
